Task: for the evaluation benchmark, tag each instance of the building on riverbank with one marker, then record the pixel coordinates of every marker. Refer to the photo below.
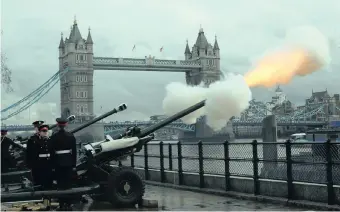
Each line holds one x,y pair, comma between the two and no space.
280,103
331,109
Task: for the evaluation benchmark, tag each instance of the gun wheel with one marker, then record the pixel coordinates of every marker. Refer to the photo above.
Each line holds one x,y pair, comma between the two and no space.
125,187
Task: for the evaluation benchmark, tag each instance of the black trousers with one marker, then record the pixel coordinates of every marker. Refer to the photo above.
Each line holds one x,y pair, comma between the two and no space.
4,166
64,181
43,176
64,177
6,163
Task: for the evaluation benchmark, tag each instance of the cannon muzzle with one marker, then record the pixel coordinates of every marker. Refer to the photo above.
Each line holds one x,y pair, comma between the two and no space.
120,108
149,130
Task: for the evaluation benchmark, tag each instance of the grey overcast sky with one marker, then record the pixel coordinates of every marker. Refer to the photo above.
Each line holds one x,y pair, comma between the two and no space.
244,28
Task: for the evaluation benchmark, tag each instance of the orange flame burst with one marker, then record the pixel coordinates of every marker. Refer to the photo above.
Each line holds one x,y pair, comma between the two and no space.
281,67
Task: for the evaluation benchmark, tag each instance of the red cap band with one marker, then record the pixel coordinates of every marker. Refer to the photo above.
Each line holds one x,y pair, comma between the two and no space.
62,124
44,128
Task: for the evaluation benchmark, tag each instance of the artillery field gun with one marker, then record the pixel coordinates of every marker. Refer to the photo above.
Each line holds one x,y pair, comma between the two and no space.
121,186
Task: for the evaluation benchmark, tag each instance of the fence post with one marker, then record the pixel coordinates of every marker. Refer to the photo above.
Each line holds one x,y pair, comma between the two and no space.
329,174
289,163
180,168
255,168
200,163
170,157
146,163
226,165
132,160
161,160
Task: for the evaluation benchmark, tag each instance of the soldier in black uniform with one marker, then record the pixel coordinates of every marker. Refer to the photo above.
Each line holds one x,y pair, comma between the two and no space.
64,157
6,159
31,154
42,166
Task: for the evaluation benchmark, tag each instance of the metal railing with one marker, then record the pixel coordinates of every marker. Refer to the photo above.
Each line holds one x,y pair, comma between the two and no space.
317,163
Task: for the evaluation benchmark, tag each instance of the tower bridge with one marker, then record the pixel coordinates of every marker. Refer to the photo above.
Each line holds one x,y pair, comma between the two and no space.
201,64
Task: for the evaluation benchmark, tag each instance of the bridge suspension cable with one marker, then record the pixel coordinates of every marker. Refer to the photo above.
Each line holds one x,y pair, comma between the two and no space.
258,111
302,116
33,97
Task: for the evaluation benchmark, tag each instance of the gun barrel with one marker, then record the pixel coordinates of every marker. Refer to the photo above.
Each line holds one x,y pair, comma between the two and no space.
157,126
181,114
115,110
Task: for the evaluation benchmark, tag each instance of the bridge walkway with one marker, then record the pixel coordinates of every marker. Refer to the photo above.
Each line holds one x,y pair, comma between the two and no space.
178,200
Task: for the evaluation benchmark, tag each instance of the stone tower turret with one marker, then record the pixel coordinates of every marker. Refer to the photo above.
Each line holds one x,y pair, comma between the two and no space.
217,54
187,52
76,86
208,56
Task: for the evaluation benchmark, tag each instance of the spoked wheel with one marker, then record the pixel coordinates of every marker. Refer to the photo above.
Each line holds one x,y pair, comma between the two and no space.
125,187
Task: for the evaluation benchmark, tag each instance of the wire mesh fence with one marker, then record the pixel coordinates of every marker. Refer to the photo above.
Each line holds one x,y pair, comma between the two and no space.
308,161
286,161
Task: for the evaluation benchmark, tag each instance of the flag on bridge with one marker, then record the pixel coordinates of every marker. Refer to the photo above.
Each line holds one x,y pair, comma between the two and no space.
161,49
134,47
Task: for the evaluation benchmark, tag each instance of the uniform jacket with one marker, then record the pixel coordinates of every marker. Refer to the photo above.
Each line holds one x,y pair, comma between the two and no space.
42,157
63,141
6,143
31,150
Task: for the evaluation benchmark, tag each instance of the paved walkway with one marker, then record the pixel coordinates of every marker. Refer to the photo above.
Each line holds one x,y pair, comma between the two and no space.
172,199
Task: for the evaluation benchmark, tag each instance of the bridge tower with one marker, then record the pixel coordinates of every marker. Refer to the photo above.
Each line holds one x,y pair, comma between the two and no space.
209,57
76,86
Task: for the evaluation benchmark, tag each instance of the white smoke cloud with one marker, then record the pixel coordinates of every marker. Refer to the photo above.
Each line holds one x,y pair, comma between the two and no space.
224,99
180,96
312,39
308,38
